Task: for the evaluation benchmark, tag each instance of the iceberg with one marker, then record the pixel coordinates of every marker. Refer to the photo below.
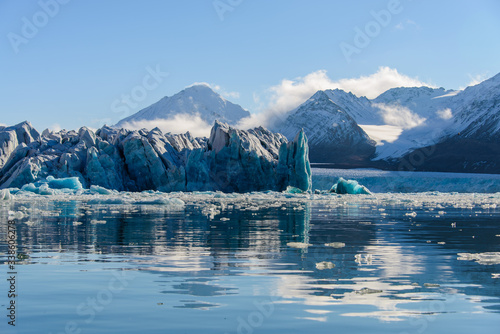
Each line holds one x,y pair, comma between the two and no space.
66,183
111,159
349,187
47,186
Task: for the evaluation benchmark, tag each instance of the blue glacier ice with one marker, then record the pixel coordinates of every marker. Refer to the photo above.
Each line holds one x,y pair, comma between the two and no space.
230,160
65,183
47,186
343,186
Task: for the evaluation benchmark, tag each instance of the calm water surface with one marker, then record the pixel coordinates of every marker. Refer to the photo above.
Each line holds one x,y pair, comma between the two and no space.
307,268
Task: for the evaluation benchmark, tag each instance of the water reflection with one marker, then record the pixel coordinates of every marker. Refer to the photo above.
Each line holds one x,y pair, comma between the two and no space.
357,261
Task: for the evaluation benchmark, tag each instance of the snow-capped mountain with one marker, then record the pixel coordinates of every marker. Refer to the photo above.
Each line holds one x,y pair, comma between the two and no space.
472,113
334,135
478,111
422,113
471,141
463,127
359,108
423,101
197,100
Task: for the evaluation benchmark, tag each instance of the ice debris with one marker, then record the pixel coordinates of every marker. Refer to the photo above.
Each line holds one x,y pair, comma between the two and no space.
231,160
324,265
487,258
368,291
335,244
300,245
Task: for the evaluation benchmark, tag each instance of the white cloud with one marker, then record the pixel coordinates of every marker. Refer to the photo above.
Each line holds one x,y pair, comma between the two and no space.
265,119
55,127
229,95
476,79
445,113
399,116
181,123
289,94
382,133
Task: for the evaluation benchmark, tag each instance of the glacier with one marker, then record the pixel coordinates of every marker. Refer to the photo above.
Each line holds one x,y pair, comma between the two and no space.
230,160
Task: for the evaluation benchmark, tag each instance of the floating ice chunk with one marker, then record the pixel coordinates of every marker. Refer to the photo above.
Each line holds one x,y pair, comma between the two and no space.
411,214
367,291
324,265
52,186
487,258
300,245
16,215
103,200
349,187
210,211
161,201
65,183
293,190
359,258
95,221
335,244
431,285
100,190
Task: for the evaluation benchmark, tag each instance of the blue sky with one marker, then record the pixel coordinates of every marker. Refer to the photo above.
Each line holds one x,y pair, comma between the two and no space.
86,55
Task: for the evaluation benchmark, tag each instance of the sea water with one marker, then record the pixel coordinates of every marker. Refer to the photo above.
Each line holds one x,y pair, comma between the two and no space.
253,263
